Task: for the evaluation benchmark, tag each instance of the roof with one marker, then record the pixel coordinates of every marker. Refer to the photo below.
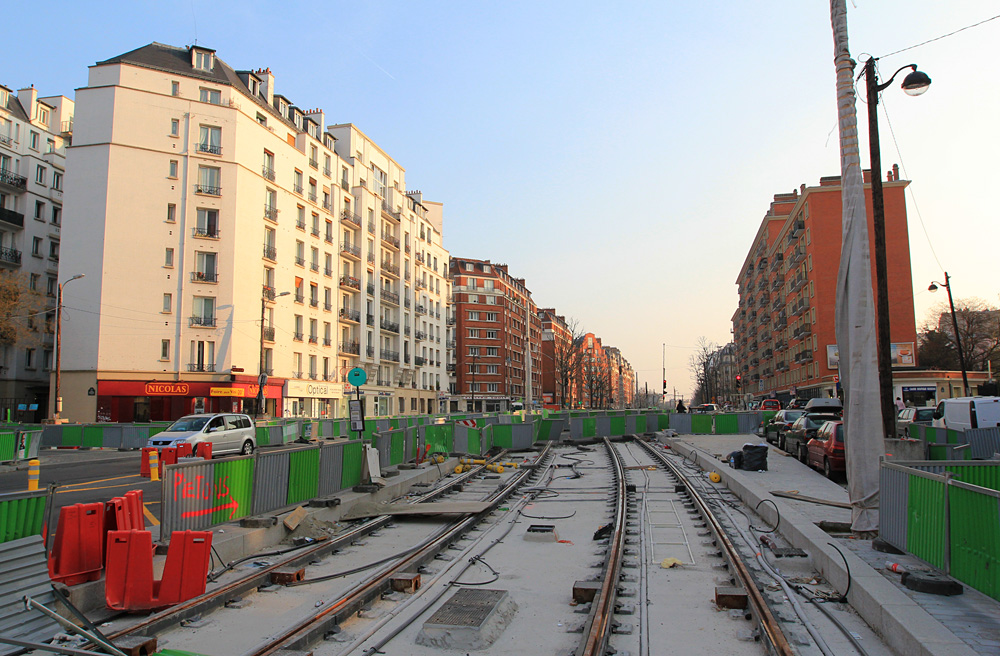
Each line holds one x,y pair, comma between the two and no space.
14,106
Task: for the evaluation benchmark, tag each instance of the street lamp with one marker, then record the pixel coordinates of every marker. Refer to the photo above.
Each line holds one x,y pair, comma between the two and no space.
914,84
262,373
954,324
57,406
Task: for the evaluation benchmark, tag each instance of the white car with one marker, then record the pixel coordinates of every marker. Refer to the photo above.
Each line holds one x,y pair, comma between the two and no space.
228,433
968,412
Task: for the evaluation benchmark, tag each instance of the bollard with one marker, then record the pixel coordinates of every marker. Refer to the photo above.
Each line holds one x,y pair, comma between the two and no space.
154,466
33,470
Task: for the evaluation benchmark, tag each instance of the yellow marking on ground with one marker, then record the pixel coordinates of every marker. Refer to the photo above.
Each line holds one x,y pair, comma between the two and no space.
150,516
102,487
102,480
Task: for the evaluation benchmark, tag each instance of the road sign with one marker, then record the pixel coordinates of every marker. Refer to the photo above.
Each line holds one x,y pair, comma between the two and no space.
836,379
471,423
357,411
357,377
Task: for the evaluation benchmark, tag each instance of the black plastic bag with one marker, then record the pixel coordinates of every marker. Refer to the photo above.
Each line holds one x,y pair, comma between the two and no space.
755,457
735,459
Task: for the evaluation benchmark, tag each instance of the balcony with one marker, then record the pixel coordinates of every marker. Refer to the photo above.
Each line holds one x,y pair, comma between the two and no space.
421,309
419,360
388,210
209,149
390,326
419,257
313,163
371,227
406,303
299,297
202,322
352,348
297,374
390,240
345,185
10,256
777,262
391,356
389,296
797,283
300,261
420,335
796,229
348,249
328,306
780,322
450,343
300,224
389,268
312,196
314,302
420,284
348,314
205,232
270,253
298,336
778,281
204,366
297,188
406,331
327,171
450,367
327,341
780,345
11,179
370,319
778,302
315,231
10,217
328,237
271,213
796,255
370,351
267,172
450,321
350,282
268,333
207,190
204,276
313,339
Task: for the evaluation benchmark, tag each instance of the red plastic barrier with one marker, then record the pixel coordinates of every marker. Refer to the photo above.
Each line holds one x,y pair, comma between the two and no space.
204,450
129,583
144,467
184,450
168,456
76,555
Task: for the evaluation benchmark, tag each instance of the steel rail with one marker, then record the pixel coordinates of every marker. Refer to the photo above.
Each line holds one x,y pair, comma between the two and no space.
602,610
312,629
217,598
765,619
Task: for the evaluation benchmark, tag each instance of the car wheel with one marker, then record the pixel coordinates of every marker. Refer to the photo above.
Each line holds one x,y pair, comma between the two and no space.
247,448
803,454
781,441
826,469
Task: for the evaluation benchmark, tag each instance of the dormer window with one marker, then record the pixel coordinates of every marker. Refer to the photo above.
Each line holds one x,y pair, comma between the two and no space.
254,87
204,60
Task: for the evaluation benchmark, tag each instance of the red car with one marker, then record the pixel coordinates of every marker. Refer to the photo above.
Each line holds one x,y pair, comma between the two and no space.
770,404
826,451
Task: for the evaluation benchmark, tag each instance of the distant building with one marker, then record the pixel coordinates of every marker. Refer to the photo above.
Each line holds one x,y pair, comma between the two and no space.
34,134
560,361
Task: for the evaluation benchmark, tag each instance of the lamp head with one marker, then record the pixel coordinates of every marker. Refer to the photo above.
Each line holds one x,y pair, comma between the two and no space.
915,83
932,288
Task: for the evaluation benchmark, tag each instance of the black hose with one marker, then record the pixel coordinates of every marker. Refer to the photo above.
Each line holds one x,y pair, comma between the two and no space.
777,512
843,597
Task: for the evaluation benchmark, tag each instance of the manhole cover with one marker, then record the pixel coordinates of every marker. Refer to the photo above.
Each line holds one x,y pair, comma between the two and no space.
467,608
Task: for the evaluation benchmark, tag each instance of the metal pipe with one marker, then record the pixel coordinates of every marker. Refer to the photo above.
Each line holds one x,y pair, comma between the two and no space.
30,603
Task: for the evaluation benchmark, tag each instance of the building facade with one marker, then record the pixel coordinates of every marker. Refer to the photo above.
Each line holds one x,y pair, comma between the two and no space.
272,248
784,334
560,360
34,134
498,338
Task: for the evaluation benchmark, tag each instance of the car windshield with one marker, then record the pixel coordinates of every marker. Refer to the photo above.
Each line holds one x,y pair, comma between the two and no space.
924,414
792,415
187,424
840,432
815,421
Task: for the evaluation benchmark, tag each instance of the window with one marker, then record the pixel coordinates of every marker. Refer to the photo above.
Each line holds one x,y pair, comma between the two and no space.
297,181
473,315
39,210
491,334
168,302
206,269
57,178
210,139
204,310
202,356
491,316
262,119
379,180
213,96
474,351
172,171
492,369
175,88
33,282
168,258
47,359
40,175
33,140
36,246
171,213
165,348
208,223
209,178
491,387
50,145
43,116
473,332
175,127
29,358
492,351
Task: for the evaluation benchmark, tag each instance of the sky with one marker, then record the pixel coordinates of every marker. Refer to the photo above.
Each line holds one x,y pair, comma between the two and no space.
617,156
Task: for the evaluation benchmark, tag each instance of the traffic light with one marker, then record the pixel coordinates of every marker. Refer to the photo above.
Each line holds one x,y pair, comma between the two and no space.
739,381
664,388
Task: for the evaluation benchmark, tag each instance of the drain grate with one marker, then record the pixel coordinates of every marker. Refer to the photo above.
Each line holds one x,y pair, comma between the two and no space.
466,609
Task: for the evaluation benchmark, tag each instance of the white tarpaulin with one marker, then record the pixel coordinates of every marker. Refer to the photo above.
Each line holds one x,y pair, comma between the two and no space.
855,320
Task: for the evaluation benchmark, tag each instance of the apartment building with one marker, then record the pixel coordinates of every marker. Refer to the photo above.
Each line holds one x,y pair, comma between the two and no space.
498,337
225,233
621,379
34,134
783,329
560,360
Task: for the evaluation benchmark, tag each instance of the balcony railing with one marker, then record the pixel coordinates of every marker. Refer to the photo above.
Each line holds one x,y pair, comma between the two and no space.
271,213
371,258
313,163
314,231
371,289
328,272
298,336
390,268
301,261
312,196
208,190
350,281
421,309
313,339
210,149
300,298
270,252
14,180
204,276
347,248
370,351
314,302
406,331
328,306
390,296
406,302
203,322
204,366
11,217
392,356
10,255
297,188
328,237
327,341
421,284
300,224
419,360
314,266
211,232
391,326
420,335
345,185
450,344
267,172
349,314
350,347
370,319
326,171
450,321
450,367
391,239
268,333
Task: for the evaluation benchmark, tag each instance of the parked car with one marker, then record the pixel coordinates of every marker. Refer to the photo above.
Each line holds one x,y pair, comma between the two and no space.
827,404
705,408
796,404
753,405
909,416
826,451
770,404
804,429
968,412
774,430
228,433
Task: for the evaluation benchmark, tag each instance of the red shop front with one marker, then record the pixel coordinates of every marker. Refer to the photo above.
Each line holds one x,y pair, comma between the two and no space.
140,401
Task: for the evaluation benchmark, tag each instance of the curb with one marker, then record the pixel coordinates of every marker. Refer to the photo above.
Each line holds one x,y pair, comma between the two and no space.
904,625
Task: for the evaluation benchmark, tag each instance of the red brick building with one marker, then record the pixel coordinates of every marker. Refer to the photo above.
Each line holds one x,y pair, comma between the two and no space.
560,361
783,329
496,327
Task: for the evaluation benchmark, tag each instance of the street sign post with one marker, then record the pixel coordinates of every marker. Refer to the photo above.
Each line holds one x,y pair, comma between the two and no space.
357,377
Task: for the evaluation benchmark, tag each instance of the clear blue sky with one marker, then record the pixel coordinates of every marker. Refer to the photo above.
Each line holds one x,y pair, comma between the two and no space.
619,156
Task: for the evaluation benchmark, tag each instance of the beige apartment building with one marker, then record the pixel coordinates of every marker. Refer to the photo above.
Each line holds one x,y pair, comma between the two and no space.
226,233
34,134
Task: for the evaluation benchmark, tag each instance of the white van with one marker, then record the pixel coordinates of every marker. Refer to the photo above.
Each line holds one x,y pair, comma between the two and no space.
968,412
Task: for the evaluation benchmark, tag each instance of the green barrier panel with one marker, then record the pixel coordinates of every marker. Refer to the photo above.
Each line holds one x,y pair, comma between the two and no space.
351,469
725,425
72,435
440,437
640,424
662,422
397,452
93,436
8,444
975,536
589,427
263,434
503,436
701,424
617,426
768,414
925,528
154,429
475,441
21,517
987,476
951,436
233,482
303,475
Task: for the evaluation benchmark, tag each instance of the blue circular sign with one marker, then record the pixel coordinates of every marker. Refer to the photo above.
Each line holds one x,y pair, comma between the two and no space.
357,376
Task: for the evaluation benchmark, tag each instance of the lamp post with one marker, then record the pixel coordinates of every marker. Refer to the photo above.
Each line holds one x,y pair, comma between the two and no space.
954,324
57,405
914,84
261,372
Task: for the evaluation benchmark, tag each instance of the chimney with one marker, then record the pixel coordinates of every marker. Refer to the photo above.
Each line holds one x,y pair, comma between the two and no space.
29,100
895,171
267,84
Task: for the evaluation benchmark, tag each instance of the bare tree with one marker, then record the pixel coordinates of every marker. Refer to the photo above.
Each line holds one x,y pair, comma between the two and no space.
23,318
978,330
568,357
700,364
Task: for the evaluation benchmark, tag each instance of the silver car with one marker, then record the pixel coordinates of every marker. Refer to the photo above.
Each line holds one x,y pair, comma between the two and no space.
228,433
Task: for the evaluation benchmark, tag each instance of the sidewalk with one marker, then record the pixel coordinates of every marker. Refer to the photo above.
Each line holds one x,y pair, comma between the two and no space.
910,622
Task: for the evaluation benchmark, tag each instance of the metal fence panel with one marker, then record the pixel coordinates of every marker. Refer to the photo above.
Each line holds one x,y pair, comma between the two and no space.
410,444
112,436
22,514
353,457
271,485
331,459
28,442
603,426
52,435
681,423
134,437
726,424
894,497
748,422
24,572
983,442
303,475
975,539
926,529
701,424
522,436
383,443
462,439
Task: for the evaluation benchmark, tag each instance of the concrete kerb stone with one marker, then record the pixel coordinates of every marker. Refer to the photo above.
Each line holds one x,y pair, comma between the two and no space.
905,626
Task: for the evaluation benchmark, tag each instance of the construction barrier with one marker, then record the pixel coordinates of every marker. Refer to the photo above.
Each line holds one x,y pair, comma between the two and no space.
129,583
77,554
17,445
25,574
22,514
946,514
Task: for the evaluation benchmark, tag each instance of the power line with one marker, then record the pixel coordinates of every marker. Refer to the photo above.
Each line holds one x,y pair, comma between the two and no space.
943,36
